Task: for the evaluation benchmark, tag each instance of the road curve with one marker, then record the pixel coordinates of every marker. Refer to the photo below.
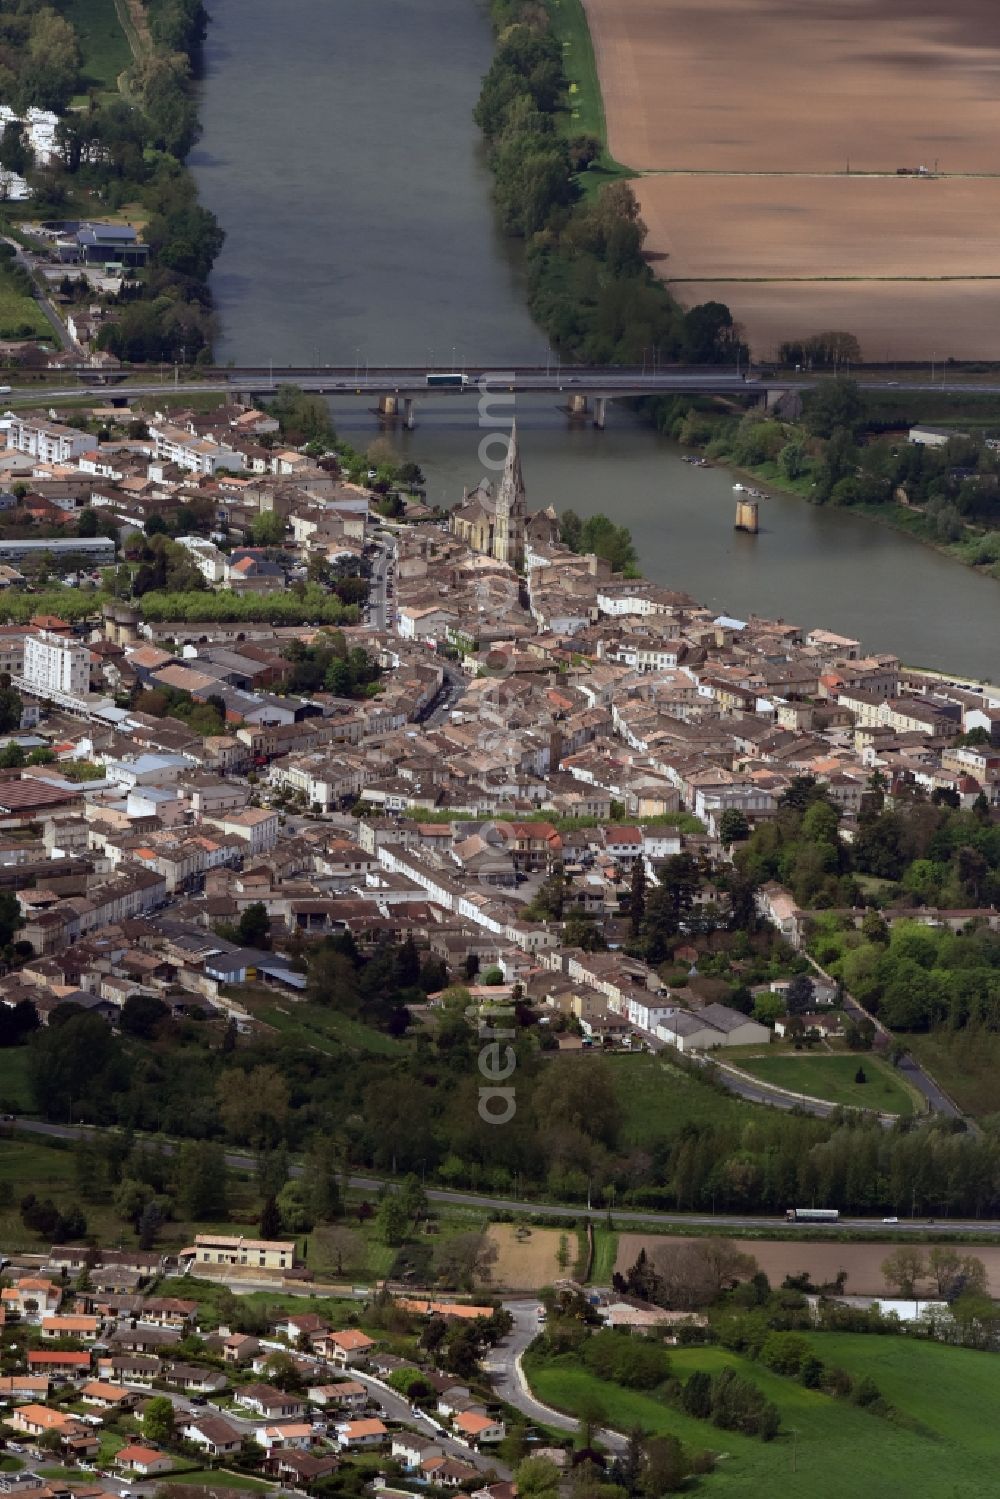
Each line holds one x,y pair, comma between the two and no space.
722,1222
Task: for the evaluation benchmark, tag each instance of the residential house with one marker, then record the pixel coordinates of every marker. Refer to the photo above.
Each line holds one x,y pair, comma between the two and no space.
86,1329
265,1400
31,1298
345,1348
214,1434
410,1450
348,1394
477,1427
145,1462
367,1432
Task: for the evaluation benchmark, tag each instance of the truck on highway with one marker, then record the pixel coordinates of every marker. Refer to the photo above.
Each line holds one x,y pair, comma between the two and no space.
452,378
812,1215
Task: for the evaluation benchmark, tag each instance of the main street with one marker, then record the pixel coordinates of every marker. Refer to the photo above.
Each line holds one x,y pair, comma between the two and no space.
722,1222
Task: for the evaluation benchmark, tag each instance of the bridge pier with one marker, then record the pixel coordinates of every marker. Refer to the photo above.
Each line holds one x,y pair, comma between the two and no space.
577,405
388,406
409,410
600,412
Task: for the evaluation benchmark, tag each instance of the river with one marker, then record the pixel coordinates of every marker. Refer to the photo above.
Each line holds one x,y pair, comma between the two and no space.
340,156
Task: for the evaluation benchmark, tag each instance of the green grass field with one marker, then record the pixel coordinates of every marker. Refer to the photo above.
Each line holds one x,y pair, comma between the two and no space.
605,1255
321,1028
657,1098
832,1077
15,1094
214,1478
586,102
20,315
827,1449
104,48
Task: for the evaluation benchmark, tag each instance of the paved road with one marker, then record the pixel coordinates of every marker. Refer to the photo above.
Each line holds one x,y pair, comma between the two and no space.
239,1161
507,1374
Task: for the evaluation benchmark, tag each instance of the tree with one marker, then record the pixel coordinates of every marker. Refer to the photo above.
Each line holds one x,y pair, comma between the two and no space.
202,1179
254,926
903,1269
956,1275
800,995
270,1219
733,826
833,405
392,1219
268,529
142,1014
158,1420
637,897
150,1223
321,1179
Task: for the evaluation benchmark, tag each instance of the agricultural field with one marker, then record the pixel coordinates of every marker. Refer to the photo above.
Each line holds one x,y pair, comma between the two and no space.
827,1449
821,1259
833,1077
752,167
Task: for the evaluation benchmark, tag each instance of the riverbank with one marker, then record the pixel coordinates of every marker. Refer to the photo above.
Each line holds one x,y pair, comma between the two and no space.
852,469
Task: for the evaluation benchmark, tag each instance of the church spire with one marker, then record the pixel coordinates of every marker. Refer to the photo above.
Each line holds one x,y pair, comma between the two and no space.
512,484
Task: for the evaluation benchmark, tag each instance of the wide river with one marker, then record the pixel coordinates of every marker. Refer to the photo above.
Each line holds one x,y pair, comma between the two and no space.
340,155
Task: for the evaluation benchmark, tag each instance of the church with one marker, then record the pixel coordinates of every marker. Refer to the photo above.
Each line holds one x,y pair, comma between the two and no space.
496,522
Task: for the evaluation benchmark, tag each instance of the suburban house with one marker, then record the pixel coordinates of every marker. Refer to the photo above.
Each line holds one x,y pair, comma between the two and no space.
36,1420
146,1462
476,1426
448,1472
303,1325
108,1396
240,1348
194,1378
265,1400
349,1394
297,1434
411,1450
14,1387
84,1328
299,1469
363,1433
64,1362
344,1348
31,1298
214,1434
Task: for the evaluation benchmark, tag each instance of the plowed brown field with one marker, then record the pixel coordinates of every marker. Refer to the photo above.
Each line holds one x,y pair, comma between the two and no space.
823,1260
768,112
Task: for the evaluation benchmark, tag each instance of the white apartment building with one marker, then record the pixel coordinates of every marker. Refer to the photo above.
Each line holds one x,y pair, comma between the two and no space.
55,664
48,441
199,454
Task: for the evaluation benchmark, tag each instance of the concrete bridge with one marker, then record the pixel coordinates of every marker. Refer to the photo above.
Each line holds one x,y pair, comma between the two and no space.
582,391
396,389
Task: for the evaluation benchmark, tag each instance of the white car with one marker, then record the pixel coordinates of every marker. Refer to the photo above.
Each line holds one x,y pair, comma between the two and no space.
890,1220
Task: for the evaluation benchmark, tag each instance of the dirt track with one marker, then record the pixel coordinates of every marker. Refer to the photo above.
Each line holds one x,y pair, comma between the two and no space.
808,86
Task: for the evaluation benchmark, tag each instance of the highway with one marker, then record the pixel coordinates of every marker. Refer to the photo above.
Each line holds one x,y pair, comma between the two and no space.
241,1161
